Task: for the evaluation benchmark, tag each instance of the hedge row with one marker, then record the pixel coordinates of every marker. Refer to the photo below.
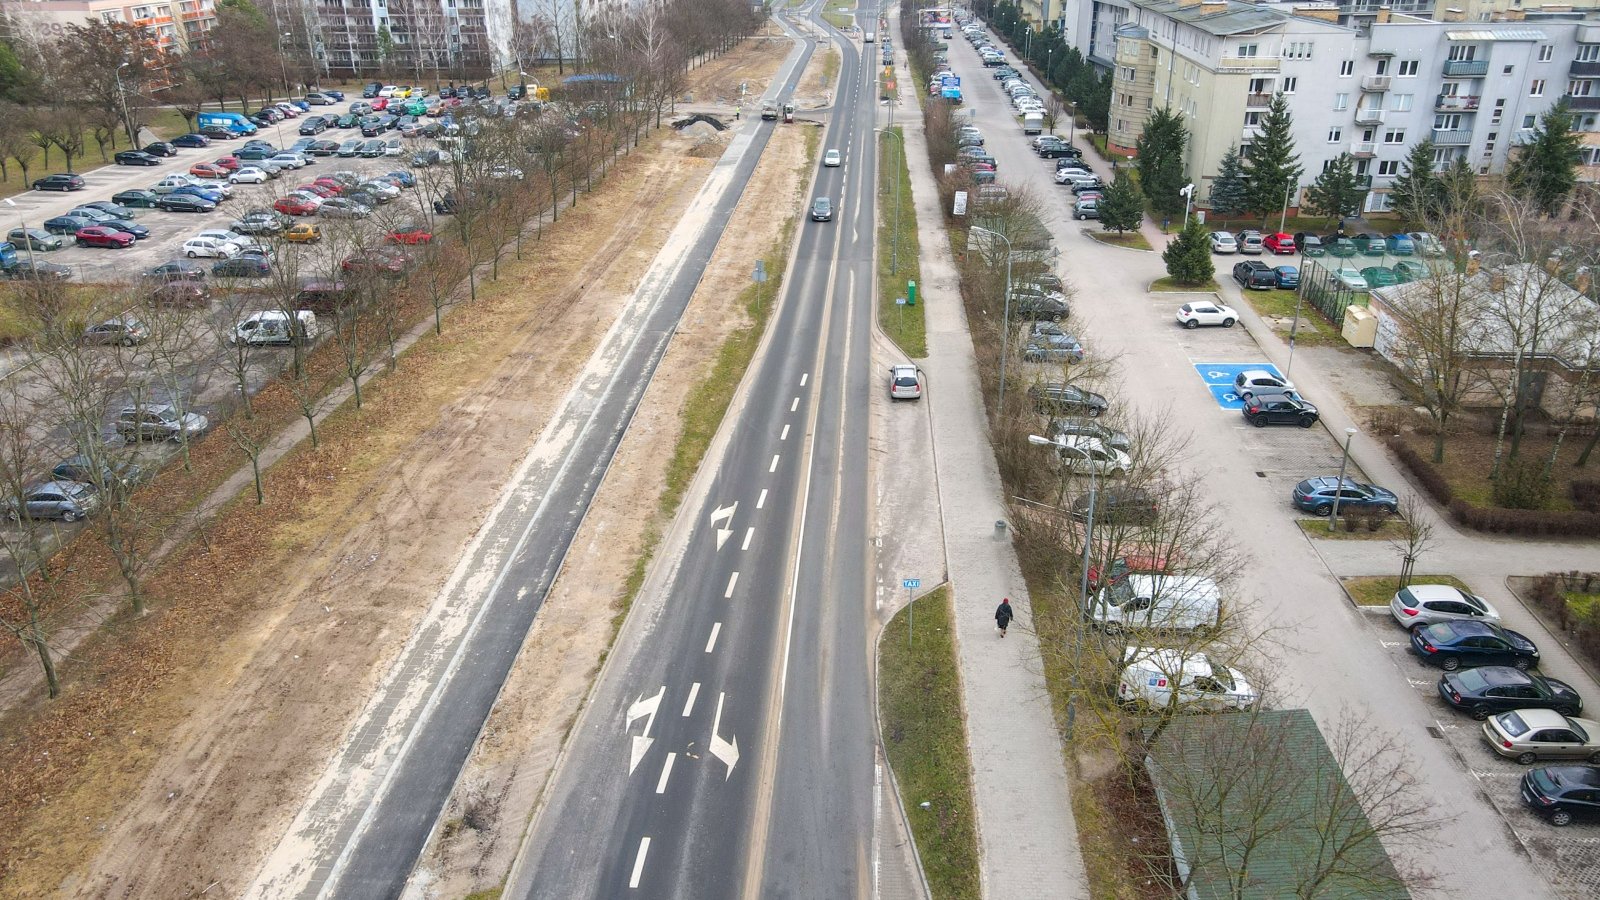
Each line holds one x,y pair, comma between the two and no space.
1555,523
1549,595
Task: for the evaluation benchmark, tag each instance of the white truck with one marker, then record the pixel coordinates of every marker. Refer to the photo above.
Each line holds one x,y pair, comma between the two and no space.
1032,123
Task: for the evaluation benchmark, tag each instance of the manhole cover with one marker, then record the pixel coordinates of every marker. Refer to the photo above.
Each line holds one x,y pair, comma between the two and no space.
1434,730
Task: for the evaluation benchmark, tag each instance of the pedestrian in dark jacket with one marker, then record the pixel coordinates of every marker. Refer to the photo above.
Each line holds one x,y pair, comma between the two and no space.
1003,615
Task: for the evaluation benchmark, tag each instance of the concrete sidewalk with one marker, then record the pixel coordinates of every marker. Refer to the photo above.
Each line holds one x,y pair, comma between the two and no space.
1027,840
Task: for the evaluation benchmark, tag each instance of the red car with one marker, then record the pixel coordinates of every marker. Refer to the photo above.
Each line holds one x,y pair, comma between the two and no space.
230,163
329,183
208,170
380,103
294,206
369,261
321,190
100,236
1279,243
409,234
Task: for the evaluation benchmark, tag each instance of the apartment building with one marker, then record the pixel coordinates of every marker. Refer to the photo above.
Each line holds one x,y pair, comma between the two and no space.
1475,89
448,39
173,26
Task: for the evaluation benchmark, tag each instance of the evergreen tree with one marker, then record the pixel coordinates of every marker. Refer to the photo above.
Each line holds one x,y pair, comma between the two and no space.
1160,161
1096,108
1230,189
1188,257
1544,170
1272,166
1413,193
1338,191
1122,205
1455,191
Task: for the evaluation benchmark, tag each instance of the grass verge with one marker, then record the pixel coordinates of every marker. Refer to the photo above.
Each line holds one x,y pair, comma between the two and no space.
905,324
919,697
165,122
1376,590
1585,607
1388,529
839,20
1280,305
1169,284
1132,240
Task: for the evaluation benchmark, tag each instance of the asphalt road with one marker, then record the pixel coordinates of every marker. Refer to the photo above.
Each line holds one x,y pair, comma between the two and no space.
728,751
1327,657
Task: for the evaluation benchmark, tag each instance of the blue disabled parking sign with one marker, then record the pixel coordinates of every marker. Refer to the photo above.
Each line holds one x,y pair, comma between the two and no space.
1219,380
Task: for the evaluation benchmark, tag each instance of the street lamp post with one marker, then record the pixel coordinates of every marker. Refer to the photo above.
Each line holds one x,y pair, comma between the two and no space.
1299,297
283,65
1288,191
1005,323
26,238
1188,198
1333,519
1072,129
122,100
1083,583
894,265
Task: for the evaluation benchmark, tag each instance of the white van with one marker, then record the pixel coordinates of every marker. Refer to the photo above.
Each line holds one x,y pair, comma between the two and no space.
1159,678
273,327
869,38
1032,122
1157,602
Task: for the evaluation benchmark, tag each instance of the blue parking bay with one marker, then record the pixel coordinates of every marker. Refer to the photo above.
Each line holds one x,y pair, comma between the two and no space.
1219,380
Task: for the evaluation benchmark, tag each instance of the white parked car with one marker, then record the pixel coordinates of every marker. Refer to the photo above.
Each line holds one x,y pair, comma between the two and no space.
291,159
1352,279
225,236
1163,679
1206,312
831,158
273,327
381,188
249,175
314,199
388,90
209,247
905,382
1425,604
1224,242
1082,455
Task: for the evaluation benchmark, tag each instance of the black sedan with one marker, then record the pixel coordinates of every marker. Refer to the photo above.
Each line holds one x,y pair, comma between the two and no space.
1464,643
160,148
191,140
115,210
242,267
28,268
64,182
177,270
216,133
1262,410
135,158
136,199
1487,690
139,232
185,203
1563,793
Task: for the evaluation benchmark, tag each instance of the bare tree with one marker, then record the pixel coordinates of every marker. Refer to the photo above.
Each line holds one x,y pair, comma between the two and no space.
1416,536
26,610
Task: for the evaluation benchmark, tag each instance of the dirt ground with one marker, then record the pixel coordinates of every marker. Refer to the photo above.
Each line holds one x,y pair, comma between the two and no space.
500,787
181,791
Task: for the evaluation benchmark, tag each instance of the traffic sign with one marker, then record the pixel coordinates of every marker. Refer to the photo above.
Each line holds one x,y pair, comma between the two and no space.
911,583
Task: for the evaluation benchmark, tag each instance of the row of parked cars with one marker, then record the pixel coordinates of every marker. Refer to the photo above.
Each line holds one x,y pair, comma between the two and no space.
1337,244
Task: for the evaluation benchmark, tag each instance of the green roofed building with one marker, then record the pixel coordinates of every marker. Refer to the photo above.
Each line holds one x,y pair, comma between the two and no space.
1256,808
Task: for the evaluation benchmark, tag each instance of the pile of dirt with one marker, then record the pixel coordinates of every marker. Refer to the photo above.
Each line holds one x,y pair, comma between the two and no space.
693,124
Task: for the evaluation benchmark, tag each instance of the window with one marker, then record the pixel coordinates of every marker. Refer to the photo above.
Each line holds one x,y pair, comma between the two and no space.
1494,118
1335,135
1341,101
1449,88
1408,68
1289,84
1587,53
1506,70
1383,67
1247,51
1394,136
1536,88
1401,102
1389,167
1463,52
1298,50
1451,122
1441,156
1347,68
1580,88
1527,122
1547,52
1252,118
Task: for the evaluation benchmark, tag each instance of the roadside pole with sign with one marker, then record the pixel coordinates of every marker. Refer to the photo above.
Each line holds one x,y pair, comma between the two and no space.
910,584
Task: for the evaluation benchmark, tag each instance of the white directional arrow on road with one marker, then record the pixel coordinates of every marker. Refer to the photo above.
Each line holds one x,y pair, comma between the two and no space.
640,709
724,514
727,751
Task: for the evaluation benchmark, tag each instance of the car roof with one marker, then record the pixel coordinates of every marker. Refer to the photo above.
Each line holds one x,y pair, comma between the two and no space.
1257,373
1168,661
904,367
1542,718
1574,776
1425,592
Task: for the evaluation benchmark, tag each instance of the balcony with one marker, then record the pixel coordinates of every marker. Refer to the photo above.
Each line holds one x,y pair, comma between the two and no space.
1369,116
1466,68
1257,101
1457,137
1379,51
1522,137
1583,68
1363,149
1583,104
1375,84
1236,64
1250,133
1364,181
1455,103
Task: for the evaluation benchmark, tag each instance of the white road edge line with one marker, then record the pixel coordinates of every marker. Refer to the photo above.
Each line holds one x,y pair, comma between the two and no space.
666,771
716,628
762,500
732,580
694,691
748,534
638,862
774,467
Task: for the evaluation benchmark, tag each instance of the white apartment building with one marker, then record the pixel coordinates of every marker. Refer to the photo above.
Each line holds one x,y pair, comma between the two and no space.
452,39
1476,89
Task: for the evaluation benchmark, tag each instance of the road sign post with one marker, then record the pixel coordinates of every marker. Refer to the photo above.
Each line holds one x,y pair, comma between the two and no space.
900,317
910,584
